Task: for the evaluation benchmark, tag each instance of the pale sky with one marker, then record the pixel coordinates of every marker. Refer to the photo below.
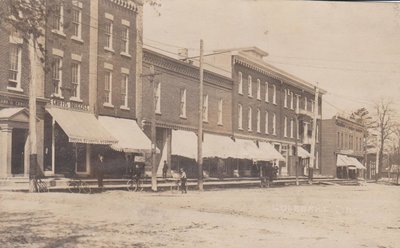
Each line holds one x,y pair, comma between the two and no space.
351,49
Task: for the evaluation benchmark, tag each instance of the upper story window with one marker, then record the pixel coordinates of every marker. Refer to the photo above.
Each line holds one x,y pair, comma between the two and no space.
285,125
76,80
57,75
258,89
305,103
77,23
108,88
249,119
124,90
285,93
249,87
240,85
258,121
182,113
317,134
14,73
240,116
338,139
291,128
266,92
108,31
291,100
58,19
157,97
297,102
266,122
125,40
312,106
220,104
274,124
274,94
205,108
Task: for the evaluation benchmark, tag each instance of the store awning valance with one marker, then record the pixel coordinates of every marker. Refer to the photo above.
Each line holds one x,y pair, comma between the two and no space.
218,146
343,160
303,153
81,127
248,149
128,133
184,143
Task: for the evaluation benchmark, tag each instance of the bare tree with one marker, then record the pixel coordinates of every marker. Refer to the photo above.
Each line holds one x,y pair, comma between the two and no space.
385,126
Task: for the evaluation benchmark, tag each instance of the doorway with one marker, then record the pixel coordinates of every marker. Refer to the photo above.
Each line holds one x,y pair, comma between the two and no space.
19,137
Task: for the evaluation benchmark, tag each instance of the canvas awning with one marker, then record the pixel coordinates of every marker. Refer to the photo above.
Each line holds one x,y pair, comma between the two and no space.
356,163
270,152
81,127
303,153
184,143
342,160
218,146
128,133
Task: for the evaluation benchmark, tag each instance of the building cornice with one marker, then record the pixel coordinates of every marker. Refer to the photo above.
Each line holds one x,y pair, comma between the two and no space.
271,71
127,4
185,69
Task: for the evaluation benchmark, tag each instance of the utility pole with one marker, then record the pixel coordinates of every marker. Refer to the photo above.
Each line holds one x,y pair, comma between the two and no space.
33,166
200,130
296,154
151,77
312,159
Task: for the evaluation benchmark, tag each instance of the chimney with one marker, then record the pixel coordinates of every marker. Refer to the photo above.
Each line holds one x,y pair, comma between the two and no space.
183,54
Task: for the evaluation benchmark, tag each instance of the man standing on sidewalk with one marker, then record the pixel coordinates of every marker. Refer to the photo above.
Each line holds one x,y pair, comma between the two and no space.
183,181
100,167
165,169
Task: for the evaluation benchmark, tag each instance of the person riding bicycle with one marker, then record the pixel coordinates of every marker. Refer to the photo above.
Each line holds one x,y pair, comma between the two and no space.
137,175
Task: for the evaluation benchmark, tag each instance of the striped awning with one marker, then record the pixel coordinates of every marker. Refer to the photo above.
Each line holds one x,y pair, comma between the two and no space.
81,127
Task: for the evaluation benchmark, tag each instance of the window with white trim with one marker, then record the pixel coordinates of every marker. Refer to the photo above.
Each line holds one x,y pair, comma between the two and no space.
57,75
249,86
240,116
291,128
108,87
266,92
266,122
274,124
205,108
220,105
14,73
291,100
258,121
158,97
305,103
274,94
58,18
77,22
312,106
258,89
182,113
124,90
285,125
240,84
297,102
76,79
125,39
285,98
249,119
109,34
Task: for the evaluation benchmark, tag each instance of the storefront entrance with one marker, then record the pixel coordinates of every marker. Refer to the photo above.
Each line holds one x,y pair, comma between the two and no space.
19,137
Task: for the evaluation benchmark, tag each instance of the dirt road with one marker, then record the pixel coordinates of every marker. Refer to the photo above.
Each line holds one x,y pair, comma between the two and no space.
306,216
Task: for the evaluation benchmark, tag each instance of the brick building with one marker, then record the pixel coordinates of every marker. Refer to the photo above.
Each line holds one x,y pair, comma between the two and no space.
342,148
265,102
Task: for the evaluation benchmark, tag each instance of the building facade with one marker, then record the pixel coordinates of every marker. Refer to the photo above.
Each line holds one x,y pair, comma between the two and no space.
266,101
343,150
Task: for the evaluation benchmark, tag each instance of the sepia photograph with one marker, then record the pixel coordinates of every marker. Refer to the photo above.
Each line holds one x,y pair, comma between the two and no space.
199,123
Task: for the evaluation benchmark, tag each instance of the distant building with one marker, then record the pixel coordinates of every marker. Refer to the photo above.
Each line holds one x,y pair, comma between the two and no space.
342,148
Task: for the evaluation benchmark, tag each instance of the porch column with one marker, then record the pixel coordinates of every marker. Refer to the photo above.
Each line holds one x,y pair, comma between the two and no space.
88,155
5,150
169,148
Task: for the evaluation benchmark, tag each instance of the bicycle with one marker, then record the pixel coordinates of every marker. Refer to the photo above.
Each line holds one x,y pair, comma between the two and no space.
37,185
78,186
131,185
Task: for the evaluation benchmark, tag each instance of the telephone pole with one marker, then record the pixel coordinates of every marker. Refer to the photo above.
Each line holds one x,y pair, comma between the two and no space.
296,149
200,130
312,158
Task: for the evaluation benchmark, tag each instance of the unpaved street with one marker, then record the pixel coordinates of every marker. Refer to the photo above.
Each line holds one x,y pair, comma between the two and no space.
307,216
